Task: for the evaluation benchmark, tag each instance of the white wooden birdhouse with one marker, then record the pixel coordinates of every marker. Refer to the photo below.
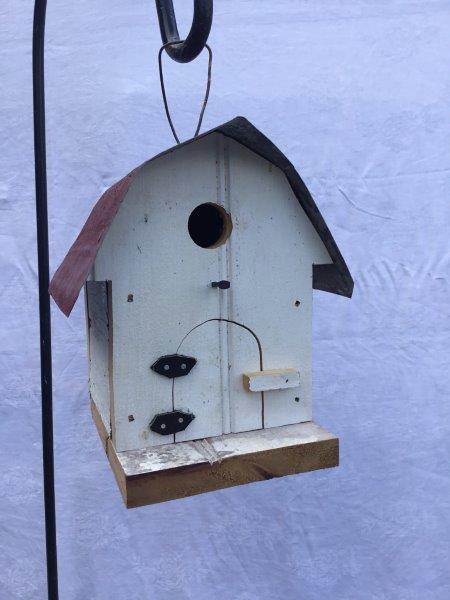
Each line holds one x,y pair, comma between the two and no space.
199,269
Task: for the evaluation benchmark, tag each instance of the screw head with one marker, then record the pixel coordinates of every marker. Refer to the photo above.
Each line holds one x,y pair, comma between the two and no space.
166,367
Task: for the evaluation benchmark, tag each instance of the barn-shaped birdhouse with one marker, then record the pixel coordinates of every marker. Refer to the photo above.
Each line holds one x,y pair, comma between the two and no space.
199,269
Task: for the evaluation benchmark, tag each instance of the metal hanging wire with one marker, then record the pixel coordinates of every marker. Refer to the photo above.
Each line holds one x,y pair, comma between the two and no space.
164,95
184,50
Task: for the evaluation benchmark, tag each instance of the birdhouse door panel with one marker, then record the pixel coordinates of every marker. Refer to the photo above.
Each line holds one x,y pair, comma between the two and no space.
161,289
271,252
246,408
200,393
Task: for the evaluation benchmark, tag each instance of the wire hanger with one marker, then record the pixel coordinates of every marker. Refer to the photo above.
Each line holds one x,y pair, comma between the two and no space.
184,50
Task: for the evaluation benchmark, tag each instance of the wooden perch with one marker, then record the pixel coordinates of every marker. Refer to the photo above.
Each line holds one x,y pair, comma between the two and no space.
271,379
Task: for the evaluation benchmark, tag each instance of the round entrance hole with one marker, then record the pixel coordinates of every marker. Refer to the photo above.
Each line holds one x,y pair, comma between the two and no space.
209,225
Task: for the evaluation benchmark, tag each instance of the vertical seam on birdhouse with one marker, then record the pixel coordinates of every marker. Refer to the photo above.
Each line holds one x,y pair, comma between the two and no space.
223,298
228,266
109,311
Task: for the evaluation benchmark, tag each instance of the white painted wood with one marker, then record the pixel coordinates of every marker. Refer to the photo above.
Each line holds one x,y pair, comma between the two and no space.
222,200
148,253
272,249
271,379
246,408
99,356
173,456
242,348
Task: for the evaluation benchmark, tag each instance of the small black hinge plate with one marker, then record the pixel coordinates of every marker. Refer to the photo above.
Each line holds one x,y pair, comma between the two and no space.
174,365
171,422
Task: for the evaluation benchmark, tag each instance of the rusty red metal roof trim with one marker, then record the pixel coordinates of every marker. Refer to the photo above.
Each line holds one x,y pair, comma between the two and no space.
74,270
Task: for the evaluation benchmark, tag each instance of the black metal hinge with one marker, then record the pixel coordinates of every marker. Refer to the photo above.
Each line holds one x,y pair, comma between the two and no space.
174,365
171,422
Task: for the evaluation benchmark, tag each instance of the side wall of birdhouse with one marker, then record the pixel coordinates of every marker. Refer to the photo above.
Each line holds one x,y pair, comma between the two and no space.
161,300
99,340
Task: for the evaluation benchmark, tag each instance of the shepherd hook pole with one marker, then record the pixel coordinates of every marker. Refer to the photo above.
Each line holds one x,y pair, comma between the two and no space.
183,51
44,298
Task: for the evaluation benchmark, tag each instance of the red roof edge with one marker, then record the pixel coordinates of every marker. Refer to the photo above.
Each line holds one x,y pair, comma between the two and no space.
71,275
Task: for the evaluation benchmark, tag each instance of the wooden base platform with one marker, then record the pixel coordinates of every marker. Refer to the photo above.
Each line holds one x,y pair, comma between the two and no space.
179,470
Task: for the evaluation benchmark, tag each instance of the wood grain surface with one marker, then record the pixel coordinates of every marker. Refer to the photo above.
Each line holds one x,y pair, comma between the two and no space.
188,468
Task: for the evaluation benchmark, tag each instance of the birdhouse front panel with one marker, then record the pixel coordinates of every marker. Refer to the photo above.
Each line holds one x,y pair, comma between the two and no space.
209,212
199,269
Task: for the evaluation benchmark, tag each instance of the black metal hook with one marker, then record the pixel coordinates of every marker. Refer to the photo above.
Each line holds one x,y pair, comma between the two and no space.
184,51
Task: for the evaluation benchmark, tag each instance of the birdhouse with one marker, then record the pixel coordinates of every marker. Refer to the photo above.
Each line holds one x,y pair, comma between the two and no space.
199,268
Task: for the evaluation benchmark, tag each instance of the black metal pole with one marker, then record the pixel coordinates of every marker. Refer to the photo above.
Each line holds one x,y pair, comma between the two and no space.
40,7
197,37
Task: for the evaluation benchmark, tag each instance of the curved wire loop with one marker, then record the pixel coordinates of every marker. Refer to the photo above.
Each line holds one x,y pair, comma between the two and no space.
164,95
184,51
